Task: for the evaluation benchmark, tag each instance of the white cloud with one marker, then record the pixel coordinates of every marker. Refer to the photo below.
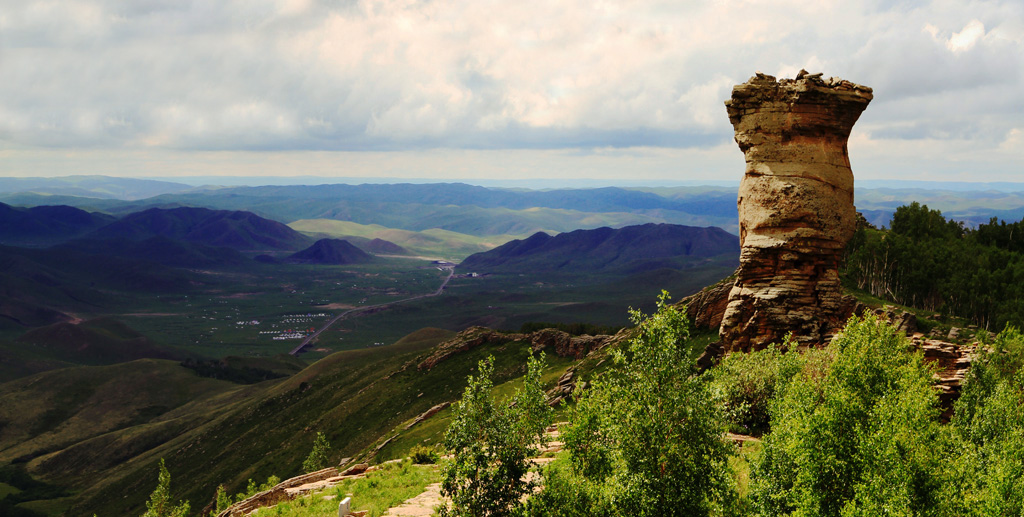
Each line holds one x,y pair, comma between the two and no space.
965,39
362,75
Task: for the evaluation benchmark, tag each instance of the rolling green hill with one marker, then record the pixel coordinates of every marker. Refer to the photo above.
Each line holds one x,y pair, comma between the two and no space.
41,286
99,430
432,242
94,342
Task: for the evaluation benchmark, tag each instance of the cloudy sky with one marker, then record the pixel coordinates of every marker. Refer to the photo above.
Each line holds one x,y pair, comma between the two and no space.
626,91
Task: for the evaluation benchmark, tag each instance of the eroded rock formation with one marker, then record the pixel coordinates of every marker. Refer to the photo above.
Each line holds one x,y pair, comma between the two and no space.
795,207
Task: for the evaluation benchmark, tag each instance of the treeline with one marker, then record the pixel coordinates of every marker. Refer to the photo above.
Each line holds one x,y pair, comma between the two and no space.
929,262
221,370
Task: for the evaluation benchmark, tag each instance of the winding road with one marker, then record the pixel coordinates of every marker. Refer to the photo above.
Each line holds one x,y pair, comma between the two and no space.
309,339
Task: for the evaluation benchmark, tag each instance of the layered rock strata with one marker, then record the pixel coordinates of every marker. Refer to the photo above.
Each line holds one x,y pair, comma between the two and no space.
796,209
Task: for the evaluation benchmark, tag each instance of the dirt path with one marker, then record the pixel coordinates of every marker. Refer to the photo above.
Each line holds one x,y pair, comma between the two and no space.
419,506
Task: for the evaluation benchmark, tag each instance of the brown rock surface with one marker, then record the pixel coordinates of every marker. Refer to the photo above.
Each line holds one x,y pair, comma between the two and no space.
795,208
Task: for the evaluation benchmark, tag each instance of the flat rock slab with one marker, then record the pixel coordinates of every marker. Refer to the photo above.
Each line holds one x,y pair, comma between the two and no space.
421,505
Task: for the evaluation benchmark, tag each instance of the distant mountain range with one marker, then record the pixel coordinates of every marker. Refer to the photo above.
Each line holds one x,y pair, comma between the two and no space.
479,211
633,249
103,187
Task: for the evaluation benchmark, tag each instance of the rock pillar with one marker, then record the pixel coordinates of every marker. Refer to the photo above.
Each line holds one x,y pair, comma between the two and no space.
795,207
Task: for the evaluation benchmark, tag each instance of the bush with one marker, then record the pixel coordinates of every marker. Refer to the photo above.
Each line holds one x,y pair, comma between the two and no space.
646,436
423,455
988,427
743,384
491,442
160,503
317,458
855,432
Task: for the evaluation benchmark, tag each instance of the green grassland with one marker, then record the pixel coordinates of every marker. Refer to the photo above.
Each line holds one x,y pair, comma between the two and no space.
98,431
354,397
378,491
434,242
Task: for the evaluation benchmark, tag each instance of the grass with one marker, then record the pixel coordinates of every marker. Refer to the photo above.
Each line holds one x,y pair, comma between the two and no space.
6,490
741,463
393,484
442,244
48,507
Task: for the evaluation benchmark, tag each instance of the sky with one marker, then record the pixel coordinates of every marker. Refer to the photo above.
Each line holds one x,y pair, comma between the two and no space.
551,90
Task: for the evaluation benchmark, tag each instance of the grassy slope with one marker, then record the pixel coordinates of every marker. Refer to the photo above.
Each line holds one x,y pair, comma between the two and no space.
354,397
54,410
433,242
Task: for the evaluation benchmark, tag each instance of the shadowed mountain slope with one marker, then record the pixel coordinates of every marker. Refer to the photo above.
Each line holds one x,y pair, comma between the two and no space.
633,248
330,252
45,225
159,249
93,342
238,230
37,286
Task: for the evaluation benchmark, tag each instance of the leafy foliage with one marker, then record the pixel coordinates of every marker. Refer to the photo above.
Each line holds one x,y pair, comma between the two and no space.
317,458
647,436
221,500
160,503
988,427
928,262
423,455
744,384
491,441
855,432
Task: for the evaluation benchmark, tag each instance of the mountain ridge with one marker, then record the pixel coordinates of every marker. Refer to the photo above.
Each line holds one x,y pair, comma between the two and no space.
634,248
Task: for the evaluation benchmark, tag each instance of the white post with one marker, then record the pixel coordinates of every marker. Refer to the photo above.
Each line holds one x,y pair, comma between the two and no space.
344,507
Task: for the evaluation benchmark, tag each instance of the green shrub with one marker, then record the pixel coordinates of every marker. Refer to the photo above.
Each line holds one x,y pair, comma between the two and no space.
423,455
743,384
317,458
988,426
647,436
160,503
855,432
491,441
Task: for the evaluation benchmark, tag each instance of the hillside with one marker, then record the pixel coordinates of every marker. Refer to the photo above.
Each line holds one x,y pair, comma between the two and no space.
81,429
633,248
160,250
38,286
432,242
45,225
93,342
330,252
238,230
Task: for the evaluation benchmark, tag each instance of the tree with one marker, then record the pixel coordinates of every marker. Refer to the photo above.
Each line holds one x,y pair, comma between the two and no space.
491,442
855,434
317,458
646,436
222,500
160,503
988,426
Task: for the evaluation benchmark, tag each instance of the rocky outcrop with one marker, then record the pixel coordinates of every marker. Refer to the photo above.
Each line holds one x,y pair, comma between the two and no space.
796,209
707,307
562,343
